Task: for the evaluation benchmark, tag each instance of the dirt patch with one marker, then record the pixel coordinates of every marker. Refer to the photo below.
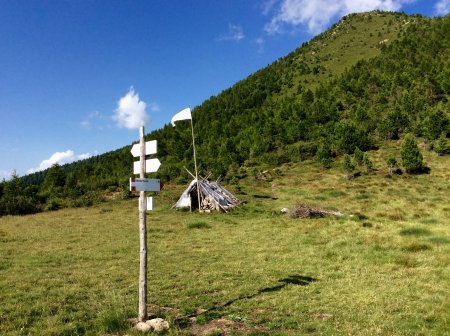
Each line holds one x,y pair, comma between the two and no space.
221,326
158,311
204,322
323,317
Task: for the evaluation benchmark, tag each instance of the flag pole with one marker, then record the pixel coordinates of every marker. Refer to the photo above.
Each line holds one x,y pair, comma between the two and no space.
195,164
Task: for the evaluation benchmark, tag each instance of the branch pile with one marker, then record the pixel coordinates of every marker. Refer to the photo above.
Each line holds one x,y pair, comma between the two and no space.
302,210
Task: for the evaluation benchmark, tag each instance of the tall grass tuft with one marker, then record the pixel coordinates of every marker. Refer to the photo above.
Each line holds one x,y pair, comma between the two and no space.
416,247
114,317
415,231
199,225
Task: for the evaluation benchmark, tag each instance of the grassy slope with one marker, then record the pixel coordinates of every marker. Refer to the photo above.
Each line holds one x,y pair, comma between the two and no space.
385,271
354,38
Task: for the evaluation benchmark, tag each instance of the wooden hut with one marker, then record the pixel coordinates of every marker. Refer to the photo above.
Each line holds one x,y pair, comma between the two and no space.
212,197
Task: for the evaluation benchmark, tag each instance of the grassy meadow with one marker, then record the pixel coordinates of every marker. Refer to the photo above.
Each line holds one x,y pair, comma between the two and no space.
382,269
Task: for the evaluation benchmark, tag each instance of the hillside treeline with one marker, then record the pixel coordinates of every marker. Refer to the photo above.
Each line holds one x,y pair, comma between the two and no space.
275,116
405,89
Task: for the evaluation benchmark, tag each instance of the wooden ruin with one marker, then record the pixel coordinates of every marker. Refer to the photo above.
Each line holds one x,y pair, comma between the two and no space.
212,197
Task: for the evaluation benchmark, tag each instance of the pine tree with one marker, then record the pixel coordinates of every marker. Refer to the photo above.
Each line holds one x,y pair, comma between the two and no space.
368,164
323,154
436,123
412,159
16,199
359,156
441,145
54,180
392,165
349,166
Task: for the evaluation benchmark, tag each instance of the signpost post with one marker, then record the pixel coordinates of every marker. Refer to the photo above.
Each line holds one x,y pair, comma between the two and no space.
142,185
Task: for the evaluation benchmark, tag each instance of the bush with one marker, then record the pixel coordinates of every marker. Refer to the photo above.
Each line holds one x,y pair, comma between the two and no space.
19,205
53,204
323,154
393,166
412,159
441,146
436,123
349,166
349,136
17,200
181,180
359,156
368,164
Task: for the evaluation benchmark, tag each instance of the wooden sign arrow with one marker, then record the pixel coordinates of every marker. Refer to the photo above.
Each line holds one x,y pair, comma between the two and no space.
144,184
150,148
151,166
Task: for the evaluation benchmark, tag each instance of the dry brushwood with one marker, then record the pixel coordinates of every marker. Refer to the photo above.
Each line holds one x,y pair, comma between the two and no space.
302,210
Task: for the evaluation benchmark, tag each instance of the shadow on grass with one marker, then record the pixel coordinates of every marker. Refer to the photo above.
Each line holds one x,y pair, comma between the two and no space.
292,279
214,312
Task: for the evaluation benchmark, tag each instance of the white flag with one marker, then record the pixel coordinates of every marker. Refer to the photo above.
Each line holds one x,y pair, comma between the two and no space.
183,115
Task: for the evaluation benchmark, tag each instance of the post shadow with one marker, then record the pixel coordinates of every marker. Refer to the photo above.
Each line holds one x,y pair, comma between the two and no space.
299,280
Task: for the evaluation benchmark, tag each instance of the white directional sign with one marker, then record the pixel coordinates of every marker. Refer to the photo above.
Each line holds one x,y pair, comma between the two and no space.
150,148
144,184
148,205
151,166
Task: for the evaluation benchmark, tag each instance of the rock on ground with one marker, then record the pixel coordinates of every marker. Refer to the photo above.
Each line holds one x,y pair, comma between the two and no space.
141,326
158,324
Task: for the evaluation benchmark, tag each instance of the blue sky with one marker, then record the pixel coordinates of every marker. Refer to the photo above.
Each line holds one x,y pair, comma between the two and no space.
66,65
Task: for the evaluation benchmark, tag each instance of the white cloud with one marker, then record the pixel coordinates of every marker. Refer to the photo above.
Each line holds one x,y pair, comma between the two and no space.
442,7
85,156
267,6
130,112
94,120
154,107
5,175
317,14
235,33
260,43
61,158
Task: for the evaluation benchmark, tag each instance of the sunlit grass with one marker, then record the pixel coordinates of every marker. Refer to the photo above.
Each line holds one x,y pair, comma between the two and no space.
382,269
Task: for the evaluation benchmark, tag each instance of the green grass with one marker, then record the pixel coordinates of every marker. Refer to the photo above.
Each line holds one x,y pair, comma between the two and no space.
382,269
351,40
198,225
415,231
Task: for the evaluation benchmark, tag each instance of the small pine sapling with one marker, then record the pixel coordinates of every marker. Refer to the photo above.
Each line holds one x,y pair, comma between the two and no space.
359,156
441,145
349,166
412,159
392,165
368,164
323,154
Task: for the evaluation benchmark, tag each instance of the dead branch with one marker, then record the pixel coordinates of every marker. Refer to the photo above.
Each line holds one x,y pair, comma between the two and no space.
302,210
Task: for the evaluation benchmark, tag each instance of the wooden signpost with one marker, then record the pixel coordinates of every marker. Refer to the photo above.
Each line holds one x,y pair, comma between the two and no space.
142,185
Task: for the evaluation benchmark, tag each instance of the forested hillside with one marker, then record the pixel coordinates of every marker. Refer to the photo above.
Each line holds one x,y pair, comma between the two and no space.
370,78
263,119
